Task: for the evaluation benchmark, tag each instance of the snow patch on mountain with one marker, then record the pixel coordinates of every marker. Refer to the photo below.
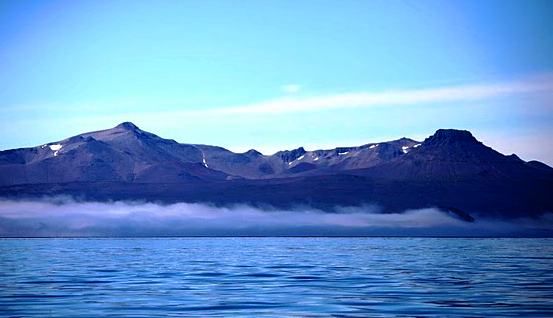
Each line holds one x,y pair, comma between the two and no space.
55,149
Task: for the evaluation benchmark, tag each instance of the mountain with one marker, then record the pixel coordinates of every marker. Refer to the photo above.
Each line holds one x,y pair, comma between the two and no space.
122,154
450,169
126,153
456,154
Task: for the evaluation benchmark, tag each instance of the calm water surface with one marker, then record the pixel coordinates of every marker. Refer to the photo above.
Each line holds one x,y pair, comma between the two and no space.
276,277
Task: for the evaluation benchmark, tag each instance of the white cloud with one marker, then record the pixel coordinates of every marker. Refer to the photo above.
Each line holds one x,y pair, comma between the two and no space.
291,88
390,97
542,84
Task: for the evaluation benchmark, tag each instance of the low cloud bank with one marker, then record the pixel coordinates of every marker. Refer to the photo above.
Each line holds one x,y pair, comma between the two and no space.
65,217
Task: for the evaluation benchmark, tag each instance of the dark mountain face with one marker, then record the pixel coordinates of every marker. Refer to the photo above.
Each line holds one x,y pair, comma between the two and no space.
450,136
451,169
453,155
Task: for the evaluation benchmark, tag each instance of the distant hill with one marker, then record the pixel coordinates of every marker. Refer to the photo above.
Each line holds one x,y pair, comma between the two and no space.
450,169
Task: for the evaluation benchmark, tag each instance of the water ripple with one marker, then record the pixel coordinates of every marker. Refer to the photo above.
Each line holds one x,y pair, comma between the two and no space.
276,277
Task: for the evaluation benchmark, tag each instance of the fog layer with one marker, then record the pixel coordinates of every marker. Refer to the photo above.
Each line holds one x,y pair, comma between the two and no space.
64,217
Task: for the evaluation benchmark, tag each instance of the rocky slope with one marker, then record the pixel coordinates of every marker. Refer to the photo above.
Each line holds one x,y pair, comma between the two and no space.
126,153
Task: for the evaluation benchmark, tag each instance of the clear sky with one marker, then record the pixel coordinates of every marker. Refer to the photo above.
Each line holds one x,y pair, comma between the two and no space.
279,74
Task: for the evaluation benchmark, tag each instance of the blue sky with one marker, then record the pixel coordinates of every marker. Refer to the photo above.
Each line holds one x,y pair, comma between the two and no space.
279,74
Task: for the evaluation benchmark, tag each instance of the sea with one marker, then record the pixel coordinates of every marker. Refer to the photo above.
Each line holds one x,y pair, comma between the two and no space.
276,277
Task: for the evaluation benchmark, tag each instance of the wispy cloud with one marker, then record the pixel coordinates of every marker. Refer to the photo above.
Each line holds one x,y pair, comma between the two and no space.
291,88
390,97
540,84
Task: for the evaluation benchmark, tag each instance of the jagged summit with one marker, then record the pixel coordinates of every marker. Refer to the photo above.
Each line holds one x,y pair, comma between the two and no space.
290,155
449,136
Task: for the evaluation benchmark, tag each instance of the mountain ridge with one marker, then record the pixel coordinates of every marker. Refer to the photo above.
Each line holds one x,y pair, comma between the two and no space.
450,169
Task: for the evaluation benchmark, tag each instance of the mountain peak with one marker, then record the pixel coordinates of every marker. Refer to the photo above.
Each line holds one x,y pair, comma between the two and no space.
127,126
290,155
448,136
253,152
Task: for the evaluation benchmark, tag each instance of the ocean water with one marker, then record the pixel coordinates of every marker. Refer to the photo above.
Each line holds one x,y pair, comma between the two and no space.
276,277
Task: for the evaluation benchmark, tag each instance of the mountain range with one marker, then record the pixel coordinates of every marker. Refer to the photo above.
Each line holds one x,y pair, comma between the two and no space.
451,170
